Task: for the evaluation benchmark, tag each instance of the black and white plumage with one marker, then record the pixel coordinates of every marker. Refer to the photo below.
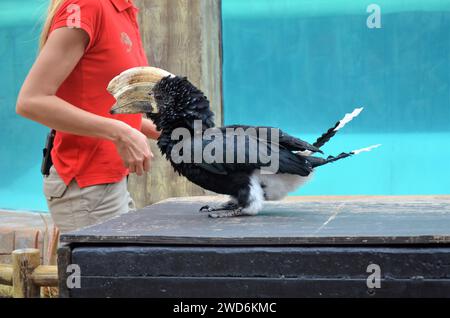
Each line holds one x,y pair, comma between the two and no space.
180,104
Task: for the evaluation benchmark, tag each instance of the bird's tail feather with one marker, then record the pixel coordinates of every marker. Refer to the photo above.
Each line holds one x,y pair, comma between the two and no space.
316,161
333,130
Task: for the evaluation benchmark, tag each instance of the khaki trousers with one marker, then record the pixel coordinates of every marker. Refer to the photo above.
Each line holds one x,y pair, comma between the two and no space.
72,207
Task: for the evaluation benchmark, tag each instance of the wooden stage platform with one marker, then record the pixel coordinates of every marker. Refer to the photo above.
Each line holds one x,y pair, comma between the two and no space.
299,247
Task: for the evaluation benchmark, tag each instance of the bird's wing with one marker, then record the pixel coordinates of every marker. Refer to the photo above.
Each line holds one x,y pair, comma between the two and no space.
223,154
285,140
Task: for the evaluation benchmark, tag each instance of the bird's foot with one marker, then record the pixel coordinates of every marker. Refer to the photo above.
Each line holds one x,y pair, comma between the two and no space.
227,214
225,207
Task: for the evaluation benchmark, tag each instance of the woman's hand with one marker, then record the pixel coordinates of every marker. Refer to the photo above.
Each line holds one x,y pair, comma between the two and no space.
134,150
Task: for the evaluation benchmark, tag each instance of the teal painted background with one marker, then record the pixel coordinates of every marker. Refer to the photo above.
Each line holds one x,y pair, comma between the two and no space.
21,140
301,65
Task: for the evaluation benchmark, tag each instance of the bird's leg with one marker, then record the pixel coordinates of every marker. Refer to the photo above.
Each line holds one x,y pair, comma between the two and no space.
230,205
248,202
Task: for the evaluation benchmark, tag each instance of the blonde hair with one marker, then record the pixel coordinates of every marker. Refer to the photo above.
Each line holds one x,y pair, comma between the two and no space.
52,9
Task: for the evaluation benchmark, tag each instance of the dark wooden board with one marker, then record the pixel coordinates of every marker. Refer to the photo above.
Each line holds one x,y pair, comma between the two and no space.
297,221
226,287
281,271
270,262
64,260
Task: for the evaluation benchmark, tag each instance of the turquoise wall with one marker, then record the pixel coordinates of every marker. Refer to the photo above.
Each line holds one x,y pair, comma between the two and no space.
301,65
21,141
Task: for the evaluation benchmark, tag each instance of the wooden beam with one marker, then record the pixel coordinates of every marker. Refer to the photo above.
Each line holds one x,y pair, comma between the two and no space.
5,291
6,274
45,276
183,37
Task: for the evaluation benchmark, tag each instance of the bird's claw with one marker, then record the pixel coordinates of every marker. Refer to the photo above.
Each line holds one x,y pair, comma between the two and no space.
205,208
225,210
227,214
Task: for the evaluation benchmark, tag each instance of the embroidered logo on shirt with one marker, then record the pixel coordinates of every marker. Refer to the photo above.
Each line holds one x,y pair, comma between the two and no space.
74,18
127,41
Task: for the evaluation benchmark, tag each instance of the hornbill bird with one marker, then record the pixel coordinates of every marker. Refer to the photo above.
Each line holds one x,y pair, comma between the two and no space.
182,108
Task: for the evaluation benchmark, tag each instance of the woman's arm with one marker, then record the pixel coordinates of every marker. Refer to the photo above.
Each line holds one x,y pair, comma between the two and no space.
149,129
37,100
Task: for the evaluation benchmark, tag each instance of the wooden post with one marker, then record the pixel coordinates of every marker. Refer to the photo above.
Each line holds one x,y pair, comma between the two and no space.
183,37
24,262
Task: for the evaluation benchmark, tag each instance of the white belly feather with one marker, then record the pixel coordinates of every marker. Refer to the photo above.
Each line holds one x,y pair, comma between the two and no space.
277,186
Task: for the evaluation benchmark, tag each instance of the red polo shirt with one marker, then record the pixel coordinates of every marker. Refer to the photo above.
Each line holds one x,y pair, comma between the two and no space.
114,46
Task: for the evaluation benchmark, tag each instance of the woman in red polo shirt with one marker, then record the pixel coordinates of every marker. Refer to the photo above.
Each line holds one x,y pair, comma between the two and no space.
85,43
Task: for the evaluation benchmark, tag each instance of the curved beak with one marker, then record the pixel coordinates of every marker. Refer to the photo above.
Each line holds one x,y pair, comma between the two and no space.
133,90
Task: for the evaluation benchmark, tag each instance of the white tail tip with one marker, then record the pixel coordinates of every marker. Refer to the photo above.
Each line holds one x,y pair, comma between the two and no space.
357,152
348,118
